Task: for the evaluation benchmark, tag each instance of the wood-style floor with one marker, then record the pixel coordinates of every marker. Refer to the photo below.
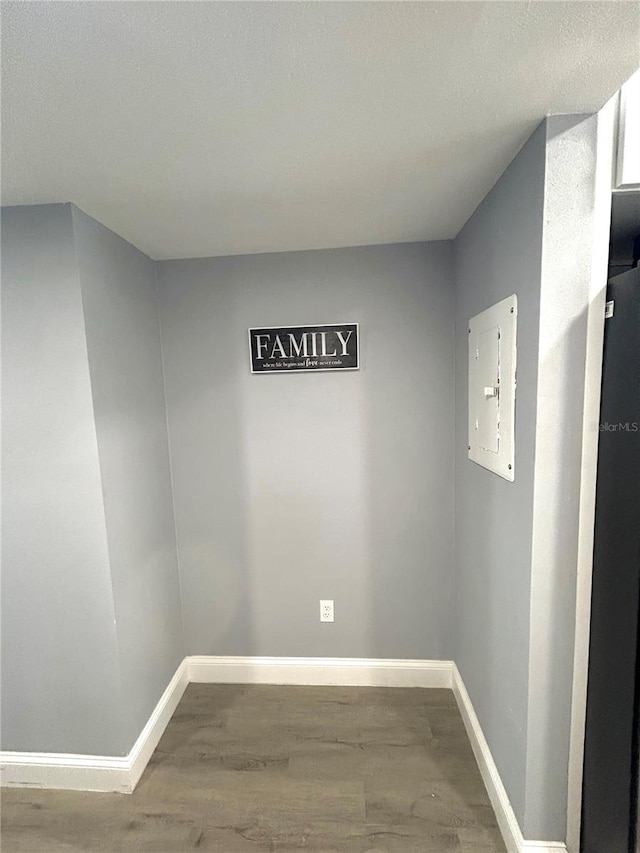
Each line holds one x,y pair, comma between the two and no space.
256,768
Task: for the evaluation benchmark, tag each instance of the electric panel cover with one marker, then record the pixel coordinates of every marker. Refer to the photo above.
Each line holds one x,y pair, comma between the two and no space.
492,383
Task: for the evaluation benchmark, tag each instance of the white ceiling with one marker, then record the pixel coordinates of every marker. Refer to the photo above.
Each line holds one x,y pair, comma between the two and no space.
215,128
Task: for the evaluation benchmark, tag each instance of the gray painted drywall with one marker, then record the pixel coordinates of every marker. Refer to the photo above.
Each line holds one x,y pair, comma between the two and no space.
123,339
497,253
292,488
516,545
569,239
60,672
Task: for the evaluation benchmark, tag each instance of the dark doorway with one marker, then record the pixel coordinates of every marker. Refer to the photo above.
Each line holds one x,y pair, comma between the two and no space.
610,787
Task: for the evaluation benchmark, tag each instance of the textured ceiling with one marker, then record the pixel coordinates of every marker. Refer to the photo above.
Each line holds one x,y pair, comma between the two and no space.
214,128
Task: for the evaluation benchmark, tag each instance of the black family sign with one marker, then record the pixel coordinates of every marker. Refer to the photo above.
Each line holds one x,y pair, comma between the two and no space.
284,349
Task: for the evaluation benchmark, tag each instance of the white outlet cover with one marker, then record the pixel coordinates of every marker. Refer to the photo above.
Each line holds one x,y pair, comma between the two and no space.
326,610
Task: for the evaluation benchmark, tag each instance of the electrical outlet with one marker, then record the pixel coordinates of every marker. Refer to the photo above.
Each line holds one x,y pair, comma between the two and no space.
326,611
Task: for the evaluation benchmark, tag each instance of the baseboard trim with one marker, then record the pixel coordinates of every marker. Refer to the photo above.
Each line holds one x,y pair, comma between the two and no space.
65,772
507,821
103,773
109,773
353,672
143,748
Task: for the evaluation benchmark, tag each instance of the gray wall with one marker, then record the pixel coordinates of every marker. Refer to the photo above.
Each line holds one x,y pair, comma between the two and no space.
60,679
517,545
123,338
497,253
571,243
291,488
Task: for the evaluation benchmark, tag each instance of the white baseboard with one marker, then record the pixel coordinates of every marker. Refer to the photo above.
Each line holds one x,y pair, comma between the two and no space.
65,772
143,748
109,773
104,773
507,821
354,672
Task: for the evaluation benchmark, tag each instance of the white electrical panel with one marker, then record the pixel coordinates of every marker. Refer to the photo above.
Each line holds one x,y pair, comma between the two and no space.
492,387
